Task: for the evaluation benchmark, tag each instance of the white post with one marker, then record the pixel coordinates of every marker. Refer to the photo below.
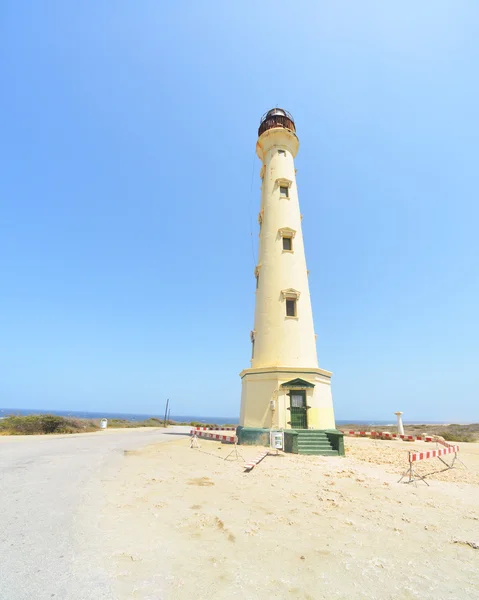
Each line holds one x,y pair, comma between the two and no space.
400,427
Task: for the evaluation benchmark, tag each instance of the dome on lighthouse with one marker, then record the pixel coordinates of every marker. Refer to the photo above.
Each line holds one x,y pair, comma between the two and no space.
276,111
276,117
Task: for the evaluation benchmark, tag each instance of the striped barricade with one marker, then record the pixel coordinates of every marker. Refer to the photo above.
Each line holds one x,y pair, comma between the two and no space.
252,464
215,428
229,439
196,433
388,435
443,442
415,457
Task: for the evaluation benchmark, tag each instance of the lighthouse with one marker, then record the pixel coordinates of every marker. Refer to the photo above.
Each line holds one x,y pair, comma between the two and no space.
284,388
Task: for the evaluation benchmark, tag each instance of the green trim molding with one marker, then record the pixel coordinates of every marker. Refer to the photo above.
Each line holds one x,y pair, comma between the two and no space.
253,436
297,383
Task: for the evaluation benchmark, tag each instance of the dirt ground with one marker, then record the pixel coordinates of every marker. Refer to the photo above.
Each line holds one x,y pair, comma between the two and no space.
185,523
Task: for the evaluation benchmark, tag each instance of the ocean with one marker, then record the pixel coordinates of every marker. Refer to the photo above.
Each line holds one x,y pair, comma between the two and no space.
181,418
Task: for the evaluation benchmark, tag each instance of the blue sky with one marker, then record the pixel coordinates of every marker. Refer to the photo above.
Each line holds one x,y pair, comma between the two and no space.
127,208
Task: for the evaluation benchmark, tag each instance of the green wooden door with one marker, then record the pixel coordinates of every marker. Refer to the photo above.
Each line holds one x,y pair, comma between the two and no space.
298,409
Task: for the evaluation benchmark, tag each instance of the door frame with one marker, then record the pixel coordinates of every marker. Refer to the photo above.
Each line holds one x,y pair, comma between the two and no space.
303,393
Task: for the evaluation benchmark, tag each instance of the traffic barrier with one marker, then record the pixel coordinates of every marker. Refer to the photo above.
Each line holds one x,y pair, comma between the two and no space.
215,428
388,435
415,457
198,432
443,442
252,464
230,439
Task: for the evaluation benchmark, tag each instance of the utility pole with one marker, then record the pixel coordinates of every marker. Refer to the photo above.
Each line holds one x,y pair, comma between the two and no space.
166,410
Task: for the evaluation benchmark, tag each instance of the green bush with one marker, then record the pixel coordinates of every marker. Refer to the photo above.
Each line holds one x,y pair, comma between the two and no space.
121,423
458,437
51,423
44,424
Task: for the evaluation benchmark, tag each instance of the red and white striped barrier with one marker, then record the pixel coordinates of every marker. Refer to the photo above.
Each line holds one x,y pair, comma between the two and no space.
388,435
215,428
418,456
252,464
444,443
214,436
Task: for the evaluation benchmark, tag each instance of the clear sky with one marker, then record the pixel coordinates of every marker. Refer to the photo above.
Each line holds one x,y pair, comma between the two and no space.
129,192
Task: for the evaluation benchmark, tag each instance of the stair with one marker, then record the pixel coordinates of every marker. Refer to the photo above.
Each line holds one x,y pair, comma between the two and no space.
311,441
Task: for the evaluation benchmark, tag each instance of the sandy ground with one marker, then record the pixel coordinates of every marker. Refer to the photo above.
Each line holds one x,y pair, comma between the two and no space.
184,523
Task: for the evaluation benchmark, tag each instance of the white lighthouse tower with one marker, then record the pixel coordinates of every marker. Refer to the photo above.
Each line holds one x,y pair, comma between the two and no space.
284,388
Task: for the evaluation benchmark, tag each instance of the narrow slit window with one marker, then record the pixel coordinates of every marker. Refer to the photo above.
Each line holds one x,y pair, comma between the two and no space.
282,152
290,307
257,280
288,243
284,191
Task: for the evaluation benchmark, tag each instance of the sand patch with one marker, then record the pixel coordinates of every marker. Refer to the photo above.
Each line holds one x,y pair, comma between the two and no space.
201,481
300,527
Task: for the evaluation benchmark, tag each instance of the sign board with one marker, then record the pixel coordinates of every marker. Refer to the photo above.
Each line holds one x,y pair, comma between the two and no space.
276,439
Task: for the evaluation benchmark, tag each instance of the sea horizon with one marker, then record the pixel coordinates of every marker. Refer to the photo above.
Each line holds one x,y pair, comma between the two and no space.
79,414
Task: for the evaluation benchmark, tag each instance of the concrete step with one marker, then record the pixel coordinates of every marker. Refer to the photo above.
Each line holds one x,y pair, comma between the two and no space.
313,441
320,452
313,445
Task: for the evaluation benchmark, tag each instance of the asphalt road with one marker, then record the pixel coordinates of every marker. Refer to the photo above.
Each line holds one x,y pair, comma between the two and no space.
50,504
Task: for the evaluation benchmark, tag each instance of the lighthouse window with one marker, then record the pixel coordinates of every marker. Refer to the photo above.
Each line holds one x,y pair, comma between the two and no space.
282,152
290,307
284,191
288,244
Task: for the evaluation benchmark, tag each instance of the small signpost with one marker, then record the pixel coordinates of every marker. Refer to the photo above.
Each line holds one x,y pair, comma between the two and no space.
276,440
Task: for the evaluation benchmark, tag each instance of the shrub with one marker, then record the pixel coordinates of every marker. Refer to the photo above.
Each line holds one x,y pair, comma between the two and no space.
51,423
451,436
44,424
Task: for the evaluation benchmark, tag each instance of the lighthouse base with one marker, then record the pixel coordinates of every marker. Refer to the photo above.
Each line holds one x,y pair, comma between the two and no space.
286,398
329,442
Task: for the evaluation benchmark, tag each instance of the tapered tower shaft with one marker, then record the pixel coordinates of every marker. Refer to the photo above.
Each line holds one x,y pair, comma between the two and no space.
284,387
283,326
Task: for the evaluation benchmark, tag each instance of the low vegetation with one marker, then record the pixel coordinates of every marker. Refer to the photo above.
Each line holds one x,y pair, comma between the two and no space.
124,423
43,424
198,424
